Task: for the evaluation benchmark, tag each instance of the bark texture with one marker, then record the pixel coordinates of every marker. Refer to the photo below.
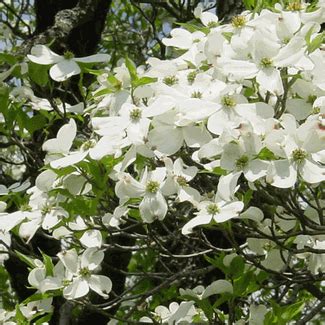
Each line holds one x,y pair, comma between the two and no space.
70,24
226,9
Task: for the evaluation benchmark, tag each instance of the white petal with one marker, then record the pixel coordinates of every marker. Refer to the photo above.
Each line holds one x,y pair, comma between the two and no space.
45,180
227,186
208,17
76,184
161,105
153,207
290,54
181,312
238,69
217,287
78,108
51,219
229,211
64,69
190,194
3,206
166,139
264,110
50,283
93,58
41,54
9,221
217,122
100,284
181,38
196,221
253,213
69,259
196,136
299,108
256,169
270,79
128,187
64,139
28,229
69,160
311,172
91,238
78,288
91,258
36,276
108,145
283,175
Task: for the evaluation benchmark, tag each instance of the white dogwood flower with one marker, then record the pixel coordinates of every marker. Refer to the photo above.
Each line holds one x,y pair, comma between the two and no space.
79,272
63,66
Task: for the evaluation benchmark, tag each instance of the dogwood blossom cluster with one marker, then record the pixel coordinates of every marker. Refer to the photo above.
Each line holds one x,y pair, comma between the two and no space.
239,112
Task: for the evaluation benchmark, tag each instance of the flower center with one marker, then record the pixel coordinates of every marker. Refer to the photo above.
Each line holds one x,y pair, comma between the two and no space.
25,207
197,94
152,187
135,114
238,21
213,209
191,77
311,99
68,55
294,6
242,162
46,209
266,62
170,81
57,101
212,24
299,155
84,272
181,180
228,101
88,144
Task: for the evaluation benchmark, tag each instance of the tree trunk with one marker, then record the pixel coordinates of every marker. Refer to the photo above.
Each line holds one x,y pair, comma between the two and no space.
226,9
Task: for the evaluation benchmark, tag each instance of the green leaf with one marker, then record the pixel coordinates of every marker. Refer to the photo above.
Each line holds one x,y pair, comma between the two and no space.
249,4
114,82
38,73
37,297
316,43
248,196
227,35
132,69
20,319
266,154
308,35
237,266
219,171
35,123
217,261
293,310
26,259
144,81
102,92
47,260
43,320
282,315
4,98
8,58
194,28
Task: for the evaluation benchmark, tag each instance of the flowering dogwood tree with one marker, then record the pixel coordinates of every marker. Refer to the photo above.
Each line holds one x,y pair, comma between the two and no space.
187,190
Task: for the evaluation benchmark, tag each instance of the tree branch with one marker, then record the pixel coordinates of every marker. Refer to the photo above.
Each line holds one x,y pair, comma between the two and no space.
65,21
